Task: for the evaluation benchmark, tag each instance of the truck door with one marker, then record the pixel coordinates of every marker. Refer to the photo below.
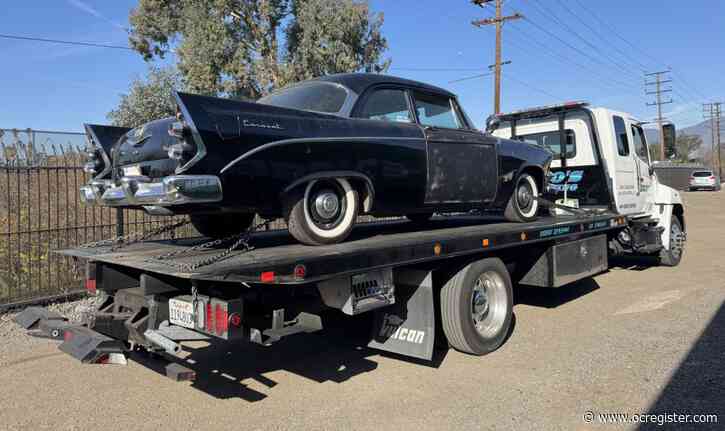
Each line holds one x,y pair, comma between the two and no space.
625,168
642,164
462,162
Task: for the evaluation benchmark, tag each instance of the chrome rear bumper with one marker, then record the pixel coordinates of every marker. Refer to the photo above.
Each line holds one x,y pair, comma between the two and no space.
140,191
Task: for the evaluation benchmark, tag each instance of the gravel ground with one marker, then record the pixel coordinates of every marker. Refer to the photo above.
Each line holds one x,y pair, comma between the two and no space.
634,340
16,339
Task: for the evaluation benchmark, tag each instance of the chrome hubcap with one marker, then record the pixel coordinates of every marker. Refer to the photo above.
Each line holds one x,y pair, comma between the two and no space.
488,304
327,204
524,196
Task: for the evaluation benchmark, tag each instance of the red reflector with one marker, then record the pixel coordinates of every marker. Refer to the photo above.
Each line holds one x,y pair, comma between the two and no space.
235,320
300,272
91,286
209,318
102,360
67,336
267,277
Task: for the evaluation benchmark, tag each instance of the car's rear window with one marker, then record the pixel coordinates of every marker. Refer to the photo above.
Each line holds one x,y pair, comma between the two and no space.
702,174
312,96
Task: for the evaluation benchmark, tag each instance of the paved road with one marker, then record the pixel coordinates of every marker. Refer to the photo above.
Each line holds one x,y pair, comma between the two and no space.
633,340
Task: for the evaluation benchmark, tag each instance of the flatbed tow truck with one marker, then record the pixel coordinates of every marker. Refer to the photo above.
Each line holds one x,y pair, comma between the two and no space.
448,282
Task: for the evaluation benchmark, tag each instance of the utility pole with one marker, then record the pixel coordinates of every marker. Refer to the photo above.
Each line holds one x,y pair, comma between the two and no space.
498,21
658,81
713,112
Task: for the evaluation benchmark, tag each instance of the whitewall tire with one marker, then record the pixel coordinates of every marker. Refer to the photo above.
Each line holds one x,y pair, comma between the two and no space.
323,212
523,204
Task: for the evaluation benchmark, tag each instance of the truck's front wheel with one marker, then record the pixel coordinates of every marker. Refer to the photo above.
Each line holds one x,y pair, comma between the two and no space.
477,307
673,255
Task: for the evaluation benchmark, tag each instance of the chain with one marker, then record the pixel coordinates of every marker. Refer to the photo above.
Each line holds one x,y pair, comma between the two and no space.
126,240
241,240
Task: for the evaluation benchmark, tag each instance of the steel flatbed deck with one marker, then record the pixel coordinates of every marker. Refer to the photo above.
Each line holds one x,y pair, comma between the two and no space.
275,254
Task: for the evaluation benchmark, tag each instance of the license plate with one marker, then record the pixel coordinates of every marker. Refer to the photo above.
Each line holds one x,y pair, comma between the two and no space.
181,313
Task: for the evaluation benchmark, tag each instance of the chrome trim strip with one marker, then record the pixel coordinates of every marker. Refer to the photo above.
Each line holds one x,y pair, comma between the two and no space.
310,140
200,147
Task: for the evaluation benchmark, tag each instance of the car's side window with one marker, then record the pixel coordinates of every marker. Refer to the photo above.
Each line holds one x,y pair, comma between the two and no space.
621,133
387,105
640,145
436,111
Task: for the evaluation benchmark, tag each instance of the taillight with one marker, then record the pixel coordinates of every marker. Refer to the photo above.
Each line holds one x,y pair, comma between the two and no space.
181,151
95,162
91,286
209,318
221,320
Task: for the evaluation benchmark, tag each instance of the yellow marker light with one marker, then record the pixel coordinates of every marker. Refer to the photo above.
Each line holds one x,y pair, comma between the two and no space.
523,236
437,248
485,242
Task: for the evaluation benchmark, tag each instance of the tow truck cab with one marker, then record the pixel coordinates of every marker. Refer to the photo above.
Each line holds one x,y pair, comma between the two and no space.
604,162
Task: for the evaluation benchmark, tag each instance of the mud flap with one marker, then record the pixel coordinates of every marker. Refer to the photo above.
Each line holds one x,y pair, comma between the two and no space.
408,326
90,347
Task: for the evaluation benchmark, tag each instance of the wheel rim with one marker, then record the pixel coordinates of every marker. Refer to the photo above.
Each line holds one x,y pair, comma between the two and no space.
526,194
488,304
677,240
329,207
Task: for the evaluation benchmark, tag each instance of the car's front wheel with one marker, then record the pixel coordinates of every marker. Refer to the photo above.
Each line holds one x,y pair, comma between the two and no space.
221,225
323,212
523,203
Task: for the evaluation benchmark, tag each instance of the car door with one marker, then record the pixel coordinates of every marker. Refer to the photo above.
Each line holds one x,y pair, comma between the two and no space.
462,162
642,166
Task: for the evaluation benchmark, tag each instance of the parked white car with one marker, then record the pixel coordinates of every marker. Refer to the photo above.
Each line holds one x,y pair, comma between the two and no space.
704,180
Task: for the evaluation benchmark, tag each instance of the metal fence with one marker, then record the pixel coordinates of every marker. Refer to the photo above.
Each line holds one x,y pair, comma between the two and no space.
40,211
676,175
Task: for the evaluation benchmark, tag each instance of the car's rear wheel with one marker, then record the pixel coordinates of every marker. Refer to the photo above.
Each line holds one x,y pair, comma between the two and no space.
221,225
323,212
523,204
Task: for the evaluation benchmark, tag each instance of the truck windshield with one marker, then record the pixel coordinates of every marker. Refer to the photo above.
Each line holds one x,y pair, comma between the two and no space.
311,96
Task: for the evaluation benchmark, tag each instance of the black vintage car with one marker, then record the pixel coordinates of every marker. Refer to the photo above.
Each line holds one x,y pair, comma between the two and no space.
318,153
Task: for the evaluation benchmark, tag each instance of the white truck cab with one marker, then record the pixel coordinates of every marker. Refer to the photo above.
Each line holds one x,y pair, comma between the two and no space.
604,164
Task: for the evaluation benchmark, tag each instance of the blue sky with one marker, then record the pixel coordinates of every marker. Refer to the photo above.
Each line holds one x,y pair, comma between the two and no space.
560,52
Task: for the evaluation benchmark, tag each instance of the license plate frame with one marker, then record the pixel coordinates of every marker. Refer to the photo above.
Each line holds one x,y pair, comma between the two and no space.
181,313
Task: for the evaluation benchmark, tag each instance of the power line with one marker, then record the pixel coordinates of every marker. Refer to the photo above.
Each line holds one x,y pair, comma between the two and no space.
482,75
63,42
657,92
436,69
497,21
549,14
525,84
613,31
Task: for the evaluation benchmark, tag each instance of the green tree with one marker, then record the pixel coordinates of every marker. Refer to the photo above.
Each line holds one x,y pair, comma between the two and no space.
148,99
234,47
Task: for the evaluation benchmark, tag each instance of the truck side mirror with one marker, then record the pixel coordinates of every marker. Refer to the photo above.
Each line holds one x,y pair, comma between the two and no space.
670,138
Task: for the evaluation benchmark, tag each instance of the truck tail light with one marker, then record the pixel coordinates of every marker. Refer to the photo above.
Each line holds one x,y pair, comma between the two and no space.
221,320
209,318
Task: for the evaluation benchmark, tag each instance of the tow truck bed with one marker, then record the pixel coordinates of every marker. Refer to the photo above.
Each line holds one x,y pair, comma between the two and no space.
371,246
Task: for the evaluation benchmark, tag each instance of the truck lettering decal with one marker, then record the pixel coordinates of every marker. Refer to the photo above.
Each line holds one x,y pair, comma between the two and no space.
391,329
